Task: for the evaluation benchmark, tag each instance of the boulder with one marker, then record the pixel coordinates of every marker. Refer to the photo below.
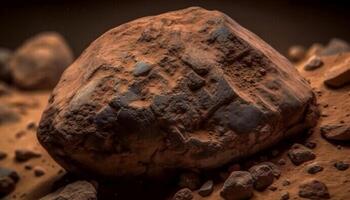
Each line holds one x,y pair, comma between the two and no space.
40,61
79,190
189,89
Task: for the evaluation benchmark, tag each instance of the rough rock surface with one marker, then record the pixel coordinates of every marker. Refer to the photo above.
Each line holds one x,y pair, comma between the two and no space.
79,190
238,186
40,61
211,92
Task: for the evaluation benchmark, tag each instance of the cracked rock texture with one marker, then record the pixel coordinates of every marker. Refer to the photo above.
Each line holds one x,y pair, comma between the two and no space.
189,89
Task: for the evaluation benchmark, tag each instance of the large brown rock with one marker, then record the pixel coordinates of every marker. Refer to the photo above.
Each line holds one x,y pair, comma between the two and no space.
40,61
187,89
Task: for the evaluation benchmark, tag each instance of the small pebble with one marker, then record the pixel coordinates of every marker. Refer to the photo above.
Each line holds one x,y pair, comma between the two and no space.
39,171
342,166
285,196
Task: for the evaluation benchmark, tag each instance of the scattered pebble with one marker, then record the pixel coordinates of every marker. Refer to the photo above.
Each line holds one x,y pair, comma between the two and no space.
3,155
338,75
340,165
281,161
314,63
39,171
310,144
31,126
314,168
262,176
273,188
285,196
314,189
183,194
299,154
285,182
337,132
238,186
190,180
23,155
8,180
296,53
206,189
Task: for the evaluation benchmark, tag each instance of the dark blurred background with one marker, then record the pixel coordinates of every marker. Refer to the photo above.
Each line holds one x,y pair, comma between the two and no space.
281,23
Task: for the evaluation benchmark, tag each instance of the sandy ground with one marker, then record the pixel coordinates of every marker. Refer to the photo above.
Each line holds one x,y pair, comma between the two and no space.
17,136
31,105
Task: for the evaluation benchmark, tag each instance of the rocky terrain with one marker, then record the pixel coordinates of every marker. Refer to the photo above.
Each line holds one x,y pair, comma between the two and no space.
201,109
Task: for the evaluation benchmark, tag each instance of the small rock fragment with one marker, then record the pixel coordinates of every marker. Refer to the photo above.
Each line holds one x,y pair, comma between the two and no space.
39,171
183,194
189,180
310,144
3,155
296,53
262,175
206,189
313,189
338,75
7,115
273,188
299,154
79,190
340,165
337,132
141,69
285,196
8,180
22,155
281,161
238,186
314,168
335,46
285,182
31,126
313,63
